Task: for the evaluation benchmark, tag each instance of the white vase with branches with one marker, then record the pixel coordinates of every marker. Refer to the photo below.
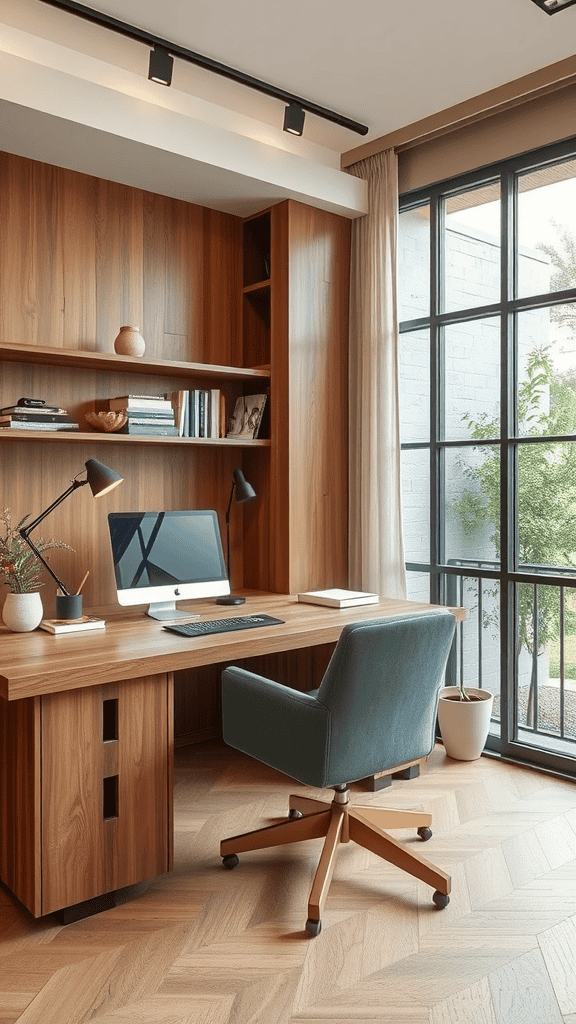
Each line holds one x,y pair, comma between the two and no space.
21,571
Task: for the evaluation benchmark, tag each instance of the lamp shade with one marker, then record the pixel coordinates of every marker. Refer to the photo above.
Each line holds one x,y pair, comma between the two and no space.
100,477
244,490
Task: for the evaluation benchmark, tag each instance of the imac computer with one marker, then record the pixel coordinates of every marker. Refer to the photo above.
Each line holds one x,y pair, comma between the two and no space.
164,557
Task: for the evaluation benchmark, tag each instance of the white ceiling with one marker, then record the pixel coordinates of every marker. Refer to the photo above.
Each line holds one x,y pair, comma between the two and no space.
385,63
76,94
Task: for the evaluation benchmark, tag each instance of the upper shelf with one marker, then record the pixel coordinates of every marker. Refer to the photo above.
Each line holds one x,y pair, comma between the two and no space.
110,361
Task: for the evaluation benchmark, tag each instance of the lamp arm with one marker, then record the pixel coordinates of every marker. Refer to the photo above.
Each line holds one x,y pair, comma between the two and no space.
230,502
227,520
26,530
44,563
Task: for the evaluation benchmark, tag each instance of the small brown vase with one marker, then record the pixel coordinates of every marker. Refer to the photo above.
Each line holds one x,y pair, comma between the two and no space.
129,342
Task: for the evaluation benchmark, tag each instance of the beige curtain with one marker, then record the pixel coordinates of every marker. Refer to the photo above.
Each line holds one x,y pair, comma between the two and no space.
376,543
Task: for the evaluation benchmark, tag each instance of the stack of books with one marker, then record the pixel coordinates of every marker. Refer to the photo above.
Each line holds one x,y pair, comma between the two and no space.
37,417
146,414
199,413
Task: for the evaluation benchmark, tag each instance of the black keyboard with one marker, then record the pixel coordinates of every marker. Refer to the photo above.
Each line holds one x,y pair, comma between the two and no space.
228,625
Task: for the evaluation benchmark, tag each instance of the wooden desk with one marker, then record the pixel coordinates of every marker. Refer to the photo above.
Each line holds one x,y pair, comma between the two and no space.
86,741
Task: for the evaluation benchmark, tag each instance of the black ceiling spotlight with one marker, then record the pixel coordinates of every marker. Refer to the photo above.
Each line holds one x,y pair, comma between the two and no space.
294,119
161,66
172,50
553,6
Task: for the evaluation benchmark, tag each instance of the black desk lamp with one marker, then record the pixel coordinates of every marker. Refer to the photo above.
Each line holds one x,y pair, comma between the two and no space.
101,479
243,491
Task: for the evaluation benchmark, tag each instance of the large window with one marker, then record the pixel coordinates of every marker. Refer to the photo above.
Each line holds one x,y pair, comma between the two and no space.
487,299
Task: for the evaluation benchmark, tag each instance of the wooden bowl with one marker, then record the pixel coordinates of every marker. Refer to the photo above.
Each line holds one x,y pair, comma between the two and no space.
106,421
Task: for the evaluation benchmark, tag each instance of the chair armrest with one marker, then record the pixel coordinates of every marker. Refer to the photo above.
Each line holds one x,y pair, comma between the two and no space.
286,729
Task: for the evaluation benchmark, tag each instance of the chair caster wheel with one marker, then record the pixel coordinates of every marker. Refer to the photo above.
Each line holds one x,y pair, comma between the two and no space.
313,927
294,813
425,833
230,861
440,899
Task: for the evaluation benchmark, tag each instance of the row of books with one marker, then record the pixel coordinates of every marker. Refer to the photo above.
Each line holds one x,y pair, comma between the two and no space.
200,413
35,417
195,413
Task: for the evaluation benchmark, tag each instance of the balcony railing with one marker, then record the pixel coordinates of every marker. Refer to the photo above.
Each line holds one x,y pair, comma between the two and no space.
544,700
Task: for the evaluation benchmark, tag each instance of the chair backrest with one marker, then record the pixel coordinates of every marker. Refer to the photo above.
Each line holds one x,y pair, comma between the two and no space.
381,689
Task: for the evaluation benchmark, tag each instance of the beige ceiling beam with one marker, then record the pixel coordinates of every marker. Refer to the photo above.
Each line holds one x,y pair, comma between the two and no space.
503,97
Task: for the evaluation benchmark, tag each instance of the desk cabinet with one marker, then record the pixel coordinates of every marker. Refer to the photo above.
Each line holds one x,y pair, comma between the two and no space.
90,773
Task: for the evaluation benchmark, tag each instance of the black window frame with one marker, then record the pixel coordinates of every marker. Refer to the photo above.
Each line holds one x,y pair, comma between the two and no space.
508,574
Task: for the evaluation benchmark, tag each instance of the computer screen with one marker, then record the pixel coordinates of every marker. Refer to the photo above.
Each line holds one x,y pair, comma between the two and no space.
164,557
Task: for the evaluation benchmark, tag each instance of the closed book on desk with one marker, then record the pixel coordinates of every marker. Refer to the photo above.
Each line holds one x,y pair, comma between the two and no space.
338,598
72,625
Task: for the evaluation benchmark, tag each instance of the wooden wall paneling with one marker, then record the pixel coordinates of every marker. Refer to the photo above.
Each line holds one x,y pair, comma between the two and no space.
256,249
256,327
31,280
184,313
256,522
318,378
222,235
20,775
279,525
197,704
78,199
309,407
119,260
154,272
132,842
46,239
299,669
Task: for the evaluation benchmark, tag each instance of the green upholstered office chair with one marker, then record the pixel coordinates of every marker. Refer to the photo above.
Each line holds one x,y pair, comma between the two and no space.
375,708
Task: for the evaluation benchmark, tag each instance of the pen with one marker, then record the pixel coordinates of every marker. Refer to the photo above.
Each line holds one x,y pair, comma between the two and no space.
84,578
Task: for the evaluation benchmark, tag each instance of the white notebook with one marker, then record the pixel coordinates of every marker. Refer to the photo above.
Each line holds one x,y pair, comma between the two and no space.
338,598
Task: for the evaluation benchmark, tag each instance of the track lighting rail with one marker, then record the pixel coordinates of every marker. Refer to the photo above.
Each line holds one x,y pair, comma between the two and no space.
149,39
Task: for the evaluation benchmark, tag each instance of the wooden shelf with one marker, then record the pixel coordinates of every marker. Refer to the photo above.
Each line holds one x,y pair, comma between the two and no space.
100,437
259,286
109,361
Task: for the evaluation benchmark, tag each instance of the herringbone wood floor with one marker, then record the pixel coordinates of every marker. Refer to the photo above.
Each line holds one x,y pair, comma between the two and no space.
208,946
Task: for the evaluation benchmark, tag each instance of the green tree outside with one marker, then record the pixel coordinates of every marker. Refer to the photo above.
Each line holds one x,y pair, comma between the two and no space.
546,480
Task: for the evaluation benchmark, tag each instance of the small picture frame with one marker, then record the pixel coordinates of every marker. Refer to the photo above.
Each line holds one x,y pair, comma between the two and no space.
247,415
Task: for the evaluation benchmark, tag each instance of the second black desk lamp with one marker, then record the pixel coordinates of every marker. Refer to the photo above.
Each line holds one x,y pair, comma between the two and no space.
242,491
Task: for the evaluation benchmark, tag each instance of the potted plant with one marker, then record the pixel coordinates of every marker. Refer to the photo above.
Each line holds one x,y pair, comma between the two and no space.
464,718
20,570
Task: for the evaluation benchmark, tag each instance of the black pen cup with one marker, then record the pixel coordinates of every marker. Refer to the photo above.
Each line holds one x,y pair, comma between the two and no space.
68,606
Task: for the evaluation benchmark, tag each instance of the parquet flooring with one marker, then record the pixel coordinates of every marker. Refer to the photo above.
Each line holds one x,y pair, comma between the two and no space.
208,946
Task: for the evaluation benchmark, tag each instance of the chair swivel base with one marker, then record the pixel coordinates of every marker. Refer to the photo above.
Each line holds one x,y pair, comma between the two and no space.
337,823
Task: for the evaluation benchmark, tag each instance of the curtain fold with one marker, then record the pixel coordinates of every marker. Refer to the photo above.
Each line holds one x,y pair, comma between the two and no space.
376,560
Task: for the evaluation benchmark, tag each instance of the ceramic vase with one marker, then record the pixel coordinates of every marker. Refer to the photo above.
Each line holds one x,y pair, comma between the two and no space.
22,612
129,342
464,724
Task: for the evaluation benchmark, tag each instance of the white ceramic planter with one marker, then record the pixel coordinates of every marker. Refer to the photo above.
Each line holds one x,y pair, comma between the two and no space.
22,612
464,724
